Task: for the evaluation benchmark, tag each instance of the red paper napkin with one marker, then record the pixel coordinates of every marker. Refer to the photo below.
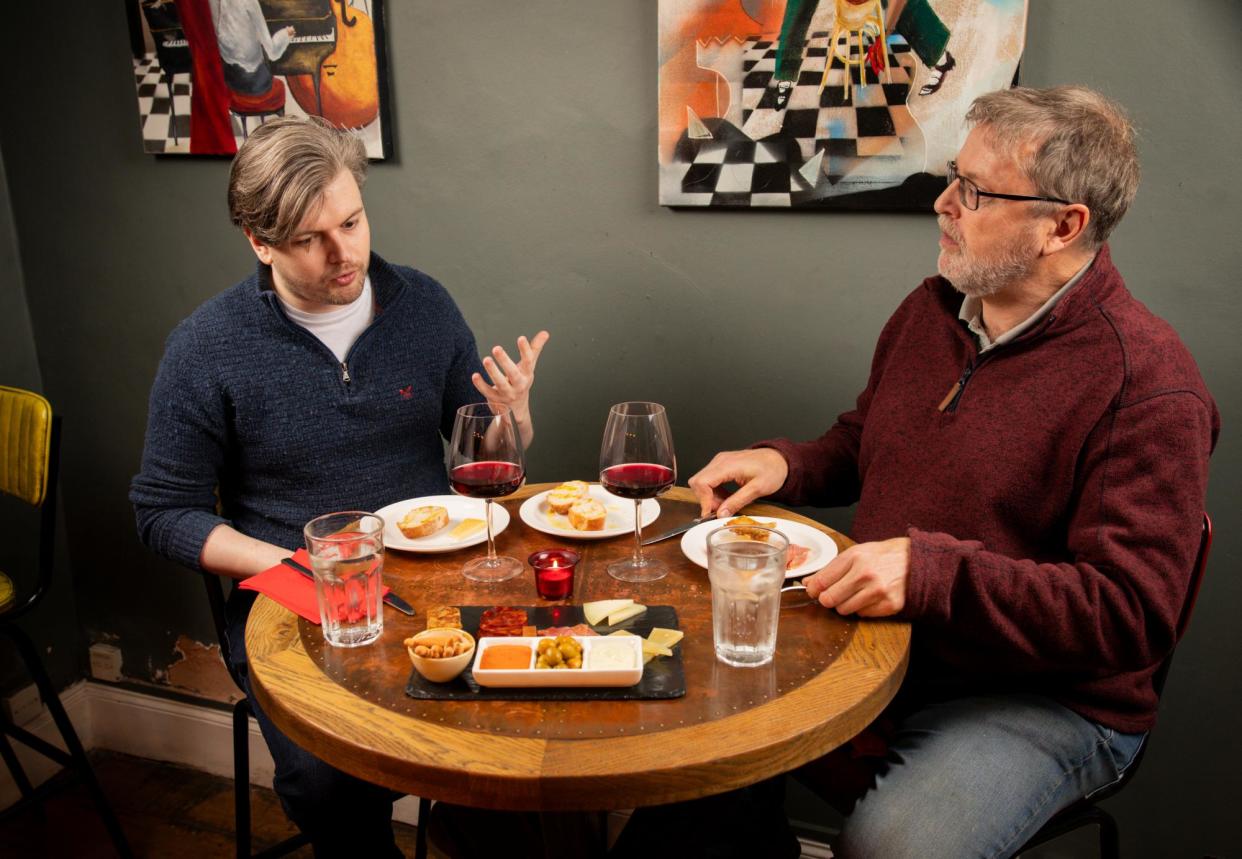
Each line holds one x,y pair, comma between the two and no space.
288,587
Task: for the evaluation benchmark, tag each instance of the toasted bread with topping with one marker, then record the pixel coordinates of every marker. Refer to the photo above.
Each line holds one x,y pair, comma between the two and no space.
423,521
587,514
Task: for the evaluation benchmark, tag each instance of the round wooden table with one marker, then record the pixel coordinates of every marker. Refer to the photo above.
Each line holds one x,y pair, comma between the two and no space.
734,727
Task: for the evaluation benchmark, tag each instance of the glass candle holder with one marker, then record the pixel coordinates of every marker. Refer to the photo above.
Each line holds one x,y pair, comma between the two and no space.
554,573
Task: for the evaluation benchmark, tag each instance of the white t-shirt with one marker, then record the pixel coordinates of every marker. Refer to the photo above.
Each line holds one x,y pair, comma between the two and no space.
339,328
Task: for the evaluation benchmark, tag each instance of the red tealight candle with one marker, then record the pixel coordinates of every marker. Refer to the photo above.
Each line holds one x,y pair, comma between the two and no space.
554,573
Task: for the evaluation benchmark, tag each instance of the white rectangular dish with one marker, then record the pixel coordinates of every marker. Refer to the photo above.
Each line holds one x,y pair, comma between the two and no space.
584,676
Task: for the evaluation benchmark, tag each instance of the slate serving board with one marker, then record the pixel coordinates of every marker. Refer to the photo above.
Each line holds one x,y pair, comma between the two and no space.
662,677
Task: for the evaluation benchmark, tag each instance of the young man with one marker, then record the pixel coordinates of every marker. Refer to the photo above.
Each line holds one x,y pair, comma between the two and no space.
325,381
1029,459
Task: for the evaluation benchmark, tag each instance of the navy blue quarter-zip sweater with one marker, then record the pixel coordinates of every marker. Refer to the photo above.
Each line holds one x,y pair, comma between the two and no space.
248,403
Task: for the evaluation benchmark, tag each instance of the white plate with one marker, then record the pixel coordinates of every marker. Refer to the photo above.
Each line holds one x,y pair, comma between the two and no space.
823,549
459,508
584,676
536,513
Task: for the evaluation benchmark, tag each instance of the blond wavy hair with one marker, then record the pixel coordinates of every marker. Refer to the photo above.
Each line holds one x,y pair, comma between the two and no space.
280,173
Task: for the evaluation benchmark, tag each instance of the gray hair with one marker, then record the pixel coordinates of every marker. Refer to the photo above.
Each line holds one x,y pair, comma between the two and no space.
1071,142
280,173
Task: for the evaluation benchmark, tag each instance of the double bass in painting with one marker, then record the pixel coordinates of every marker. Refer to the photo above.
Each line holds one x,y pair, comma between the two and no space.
343,85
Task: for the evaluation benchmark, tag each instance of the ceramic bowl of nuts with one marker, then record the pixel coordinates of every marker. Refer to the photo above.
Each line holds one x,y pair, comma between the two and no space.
440,654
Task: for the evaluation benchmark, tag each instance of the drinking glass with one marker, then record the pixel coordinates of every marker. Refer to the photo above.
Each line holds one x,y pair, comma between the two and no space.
347,556
485,461
746,575
636,461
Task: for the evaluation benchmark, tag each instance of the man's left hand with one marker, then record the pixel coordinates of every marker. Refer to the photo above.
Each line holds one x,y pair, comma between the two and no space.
868,579
511,381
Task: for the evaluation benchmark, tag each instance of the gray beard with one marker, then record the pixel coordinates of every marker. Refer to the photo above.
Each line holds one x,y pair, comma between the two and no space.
980,278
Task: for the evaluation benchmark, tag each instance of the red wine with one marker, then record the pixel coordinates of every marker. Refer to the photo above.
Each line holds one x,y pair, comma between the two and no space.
636,479
486,479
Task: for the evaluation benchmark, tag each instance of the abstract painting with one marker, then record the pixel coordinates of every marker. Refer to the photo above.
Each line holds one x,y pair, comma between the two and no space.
847,104
210,71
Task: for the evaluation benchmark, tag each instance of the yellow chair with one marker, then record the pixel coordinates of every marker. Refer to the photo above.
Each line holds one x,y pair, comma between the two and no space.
29,460
854,18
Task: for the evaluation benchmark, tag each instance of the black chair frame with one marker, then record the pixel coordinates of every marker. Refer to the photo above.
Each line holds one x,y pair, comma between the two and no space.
74,759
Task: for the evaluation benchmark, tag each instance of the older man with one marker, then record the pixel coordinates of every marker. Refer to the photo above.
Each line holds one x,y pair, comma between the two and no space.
1030,459
325,381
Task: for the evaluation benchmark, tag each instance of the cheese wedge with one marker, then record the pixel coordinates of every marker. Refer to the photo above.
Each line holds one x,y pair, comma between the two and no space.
596,611
466,527
647,657
623,614
623,632
665,637
655,649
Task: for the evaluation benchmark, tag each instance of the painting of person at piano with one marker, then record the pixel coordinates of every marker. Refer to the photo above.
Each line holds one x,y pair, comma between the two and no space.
209,71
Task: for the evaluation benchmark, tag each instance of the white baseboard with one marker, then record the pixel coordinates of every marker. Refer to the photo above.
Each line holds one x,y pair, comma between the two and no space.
146,726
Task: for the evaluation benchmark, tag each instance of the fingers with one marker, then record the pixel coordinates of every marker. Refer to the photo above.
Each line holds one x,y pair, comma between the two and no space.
705,481
746,493
820,581
506,364
533,347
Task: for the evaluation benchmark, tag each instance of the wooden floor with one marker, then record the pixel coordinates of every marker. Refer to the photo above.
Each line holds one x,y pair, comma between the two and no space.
165,810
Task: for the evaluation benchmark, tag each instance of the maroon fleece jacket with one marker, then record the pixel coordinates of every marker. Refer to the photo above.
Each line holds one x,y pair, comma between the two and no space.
1053,508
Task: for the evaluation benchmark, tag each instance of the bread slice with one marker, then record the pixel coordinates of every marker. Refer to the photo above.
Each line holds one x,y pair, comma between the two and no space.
563,497
587,514
422,521
746,528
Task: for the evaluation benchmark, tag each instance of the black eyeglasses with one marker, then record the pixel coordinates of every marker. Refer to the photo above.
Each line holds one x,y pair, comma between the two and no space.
968,192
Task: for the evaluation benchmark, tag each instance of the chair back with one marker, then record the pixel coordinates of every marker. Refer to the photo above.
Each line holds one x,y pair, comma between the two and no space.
29,469
25,444
216,599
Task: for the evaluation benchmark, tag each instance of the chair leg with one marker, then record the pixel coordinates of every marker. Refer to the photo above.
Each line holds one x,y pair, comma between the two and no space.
70,737
241,776
15,766
1110,840
420,837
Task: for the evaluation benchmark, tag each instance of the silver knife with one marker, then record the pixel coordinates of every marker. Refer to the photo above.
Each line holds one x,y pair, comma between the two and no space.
390,598
680,529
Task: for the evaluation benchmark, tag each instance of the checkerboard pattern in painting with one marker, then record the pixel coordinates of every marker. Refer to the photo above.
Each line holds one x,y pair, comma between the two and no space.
160,132
734,169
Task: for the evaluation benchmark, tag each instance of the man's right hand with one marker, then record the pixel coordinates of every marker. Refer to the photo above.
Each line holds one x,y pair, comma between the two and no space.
757,473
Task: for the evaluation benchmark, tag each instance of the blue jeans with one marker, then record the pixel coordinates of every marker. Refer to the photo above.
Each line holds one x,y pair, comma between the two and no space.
342,815
979,776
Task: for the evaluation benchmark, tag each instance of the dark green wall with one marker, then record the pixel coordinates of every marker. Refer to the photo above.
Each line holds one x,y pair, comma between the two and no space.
525,180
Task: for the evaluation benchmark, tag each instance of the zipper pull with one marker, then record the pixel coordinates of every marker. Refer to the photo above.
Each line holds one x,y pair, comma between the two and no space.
345,373
951,397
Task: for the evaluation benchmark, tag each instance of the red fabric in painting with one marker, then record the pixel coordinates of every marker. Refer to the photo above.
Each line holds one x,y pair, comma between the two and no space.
211,129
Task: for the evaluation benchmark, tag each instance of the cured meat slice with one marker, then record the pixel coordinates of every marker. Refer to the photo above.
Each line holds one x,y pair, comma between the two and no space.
580,630
797,556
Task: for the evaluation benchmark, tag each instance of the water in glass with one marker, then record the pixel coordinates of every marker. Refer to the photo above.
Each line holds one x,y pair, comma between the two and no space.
347,557
746,577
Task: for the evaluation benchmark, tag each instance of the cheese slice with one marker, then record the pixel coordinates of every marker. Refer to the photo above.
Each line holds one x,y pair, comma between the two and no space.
655,649
466,527
623,614
596,611
623,632
665,637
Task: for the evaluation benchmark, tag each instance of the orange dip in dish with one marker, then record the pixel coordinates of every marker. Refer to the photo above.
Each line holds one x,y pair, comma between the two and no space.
505,656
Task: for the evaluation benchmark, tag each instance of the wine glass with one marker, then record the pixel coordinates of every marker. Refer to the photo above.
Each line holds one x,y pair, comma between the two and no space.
485,461
636,461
